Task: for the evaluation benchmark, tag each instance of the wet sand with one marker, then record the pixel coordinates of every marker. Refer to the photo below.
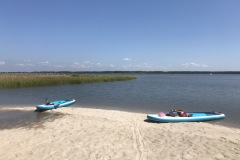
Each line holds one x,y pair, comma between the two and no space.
83,133
13,117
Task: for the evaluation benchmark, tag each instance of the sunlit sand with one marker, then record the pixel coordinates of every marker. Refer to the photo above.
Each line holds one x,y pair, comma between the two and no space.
84,133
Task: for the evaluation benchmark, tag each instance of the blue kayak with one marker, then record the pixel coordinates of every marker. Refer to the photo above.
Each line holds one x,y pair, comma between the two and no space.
194,117
55,104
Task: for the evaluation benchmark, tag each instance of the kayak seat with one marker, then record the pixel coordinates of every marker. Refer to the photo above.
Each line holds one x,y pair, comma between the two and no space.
172,114
182,114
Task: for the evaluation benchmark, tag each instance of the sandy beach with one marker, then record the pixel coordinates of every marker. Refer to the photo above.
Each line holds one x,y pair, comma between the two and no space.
90,134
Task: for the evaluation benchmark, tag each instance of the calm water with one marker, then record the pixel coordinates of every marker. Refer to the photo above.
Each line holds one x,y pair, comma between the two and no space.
146,94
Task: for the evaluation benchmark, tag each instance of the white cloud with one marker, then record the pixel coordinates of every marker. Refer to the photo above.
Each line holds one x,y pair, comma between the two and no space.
86,64
145,66
127,59
21,65
59,66
193,64
142,66
44,63
91,65
99,64
25,65
2,63
127,66
204,65
27,60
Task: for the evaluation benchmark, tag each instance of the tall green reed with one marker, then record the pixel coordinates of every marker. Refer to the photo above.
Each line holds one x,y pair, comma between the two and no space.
36,80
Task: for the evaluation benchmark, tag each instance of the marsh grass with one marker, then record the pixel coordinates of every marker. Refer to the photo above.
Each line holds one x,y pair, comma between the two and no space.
35,80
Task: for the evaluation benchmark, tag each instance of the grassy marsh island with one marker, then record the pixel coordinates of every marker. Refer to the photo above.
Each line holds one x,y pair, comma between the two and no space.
38,80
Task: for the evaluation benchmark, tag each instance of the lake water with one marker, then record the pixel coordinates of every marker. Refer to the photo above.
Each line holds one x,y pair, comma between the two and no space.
147,94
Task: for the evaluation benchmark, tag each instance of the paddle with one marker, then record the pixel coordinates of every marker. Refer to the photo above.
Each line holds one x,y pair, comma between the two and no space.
47,102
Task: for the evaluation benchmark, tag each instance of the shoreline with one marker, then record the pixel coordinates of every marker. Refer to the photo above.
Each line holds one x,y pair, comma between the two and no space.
110,134
36,117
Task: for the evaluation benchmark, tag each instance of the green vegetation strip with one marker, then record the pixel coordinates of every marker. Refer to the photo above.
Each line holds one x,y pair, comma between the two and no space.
35,80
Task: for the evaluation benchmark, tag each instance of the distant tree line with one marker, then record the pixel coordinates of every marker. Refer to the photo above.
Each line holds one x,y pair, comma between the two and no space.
125,72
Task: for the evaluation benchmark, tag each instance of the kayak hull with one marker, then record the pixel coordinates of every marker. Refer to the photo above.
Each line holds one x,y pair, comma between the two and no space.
196,117
56,104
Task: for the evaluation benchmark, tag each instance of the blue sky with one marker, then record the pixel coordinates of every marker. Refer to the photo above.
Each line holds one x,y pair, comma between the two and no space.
109,35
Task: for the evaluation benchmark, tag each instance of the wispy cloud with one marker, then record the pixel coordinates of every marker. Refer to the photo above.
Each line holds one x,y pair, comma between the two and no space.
44,63
193,64
85,64
127,66
2,62
111,65
99,64
27,60
145,66
142,66
127,59
25,65
59,66
91,65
